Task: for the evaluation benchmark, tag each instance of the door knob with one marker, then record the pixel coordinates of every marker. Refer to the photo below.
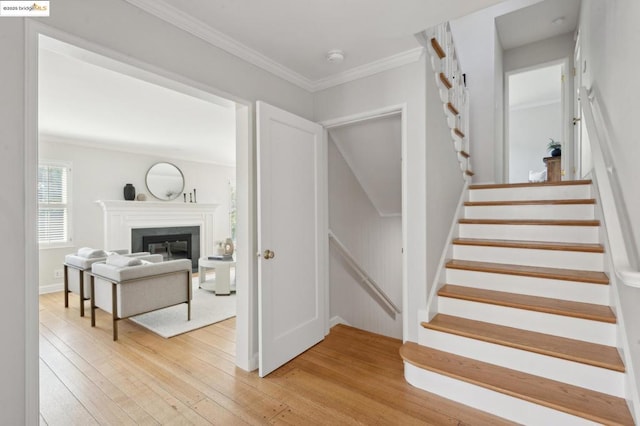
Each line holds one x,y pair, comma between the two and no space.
268,254
575,120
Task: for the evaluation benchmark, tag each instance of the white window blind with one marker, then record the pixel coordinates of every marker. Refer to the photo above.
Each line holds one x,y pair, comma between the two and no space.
53,203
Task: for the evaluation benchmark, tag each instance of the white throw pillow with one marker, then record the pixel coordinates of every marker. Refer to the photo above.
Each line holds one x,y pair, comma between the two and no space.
123,261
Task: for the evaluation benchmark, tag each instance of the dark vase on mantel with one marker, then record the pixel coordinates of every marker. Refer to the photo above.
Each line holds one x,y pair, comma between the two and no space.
556,152
129,192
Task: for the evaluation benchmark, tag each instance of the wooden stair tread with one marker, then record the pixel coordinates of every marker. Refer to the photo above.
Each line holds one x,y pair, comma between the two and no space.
469,173
537,245
541,222
560,347
465,154
437,48
445,81
452,108
584,403
591,277
458,132
530,202
527,184
547,305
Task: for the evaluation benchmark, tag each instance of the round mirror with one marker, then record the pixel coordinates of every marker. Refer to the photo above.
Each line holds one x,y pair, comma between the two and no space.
165,181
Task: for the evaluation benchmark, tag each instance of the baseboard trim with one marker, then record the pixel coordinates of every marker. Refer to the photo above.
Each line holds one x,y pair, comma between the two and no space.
337,320
51,288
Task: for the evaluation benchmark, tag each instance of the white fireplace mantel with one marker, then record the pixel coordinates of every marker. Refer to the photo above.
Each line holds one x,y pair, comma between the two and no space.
120,217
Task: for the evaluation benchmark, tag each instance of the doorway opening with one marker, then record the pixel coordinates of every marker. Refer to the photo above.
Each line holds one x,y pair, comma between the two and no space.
534,120
365,187
109,184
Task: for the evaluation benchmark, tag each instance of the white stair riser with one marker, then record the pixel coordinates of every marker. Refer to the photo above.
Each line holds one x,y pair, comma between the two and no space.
531,286
565,234
574,373
558,325
529,257
566,192
547,212
499,404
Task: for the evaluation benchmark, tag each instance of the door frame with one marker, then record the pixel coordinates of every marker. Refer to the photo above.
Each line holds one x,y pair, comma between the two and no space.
566,111
246,322
357,118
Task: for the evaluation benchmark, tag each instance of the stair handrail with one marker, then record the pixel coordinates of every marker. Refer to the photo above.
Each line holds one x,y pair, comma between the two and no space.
450,80
605,174
364,276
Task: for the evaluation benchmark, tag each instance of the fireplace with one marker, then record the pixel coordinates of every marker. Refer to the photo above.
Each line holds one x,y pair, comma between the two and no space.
177,242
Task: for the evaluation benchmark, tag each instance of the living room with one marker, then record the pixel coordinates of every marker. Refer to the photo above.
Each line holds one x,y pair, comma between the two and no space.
108,128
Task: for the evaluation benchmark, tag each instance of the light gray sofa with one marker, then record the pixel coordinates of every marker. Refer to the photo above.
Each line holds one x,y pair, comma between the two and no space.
125,287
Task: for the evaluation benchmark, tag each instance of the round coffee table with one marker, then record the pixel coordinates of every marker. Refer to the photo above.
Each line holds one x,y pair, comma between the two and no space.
222,283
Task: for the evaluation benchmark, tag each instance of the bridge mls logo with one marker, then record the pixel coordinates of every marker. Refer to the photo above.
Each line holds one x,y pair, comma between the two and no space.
24,8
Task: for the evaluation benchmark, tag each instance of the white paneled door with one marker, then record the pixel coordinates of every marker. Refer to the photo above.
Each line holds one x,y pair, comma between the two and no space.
291,234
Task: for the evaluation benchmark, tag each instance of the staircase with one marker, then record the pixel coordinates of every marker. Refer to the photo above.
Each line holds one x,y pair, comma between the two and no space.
523,328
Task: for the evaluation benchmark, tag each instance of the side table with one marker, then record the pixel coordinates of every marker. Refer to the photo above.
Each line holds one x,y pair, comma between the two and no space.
222,284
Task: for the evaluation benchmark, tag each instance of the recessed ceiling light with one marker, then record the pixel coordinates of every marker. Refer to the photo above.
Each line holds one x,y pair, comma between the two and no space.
335,56
559,21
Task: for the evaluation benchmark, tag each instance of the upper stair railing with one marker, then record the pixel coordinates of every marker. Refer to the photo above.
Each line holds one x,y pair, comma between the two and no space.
453,92
365,278
624,265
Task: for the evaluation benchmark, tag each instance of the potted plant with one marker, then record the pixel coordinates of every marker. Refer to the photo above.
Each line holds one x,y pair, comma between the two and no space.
555,148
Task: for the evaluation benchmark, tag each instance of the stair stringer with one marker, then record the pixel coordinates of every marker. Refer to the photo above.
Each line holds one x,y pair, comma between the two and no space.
631,385
447,253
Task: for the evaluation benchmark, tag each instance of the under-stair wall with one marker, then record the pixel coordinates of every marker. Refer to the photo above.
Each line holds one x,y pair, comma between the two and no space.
376,243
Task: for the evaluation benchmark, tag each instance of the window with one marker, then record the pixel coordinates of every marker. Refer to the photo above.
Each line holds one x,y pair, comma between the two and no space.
53,204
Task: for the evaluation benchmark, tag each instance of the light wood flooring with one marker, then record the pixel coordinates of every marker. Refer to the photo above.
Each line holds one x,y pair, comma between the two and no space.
352,377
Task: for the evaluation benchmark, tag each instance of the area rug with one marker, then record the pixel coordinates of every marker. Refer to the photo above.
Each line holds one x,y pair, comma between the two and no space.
206,309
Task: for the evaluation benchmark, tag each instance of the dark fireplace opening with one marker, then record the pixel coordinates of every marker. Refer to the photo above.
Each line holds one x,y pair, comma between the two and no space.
169,246
177,242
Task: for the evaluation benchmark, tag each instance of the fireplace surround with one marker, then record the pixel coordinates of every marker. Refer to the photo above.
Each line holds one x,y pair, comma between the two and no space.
121,218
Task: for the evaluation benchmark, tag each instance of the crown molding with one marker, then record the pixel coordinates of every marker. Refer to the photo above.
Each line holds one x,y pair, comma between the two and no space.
186,22
366,70
201,30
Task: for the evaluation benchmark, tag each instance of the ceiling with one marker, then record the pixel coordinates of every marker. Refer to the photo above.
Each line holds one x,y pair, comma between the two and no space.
88,99
291,37
536,22
372,149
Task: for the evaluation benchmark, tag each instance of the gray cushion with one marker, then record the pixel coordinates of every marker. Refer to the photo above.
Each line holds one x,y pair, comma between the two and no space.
122,261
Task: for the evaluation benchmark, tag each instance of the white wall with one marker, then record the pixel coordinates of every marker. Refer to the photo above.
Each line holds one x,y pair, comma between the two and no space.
376,244
12,226
100,174
403,85
609,36
540,52
529,133
444,179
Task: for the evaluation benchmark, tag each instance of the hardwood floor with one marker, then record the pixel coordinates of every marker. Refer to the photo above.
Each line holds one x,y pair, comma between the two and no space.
352,377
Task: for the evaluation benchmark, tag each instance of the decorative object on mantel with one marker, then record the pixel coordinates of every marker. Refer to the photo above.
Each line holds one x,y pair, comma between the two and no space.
129,192
228,247
554,147
165,181
195,200
184,195
141,197
190,197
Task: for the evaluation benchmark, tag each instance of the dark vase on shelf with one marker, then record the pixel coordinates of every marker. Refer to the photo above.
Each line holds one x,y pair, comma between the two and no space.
129,192
556,152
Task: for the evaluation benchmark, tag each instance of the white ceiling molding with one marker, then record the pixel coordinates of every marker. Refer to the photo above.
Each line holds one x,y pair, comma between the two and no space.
95,143
176,17
384,64
197,28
